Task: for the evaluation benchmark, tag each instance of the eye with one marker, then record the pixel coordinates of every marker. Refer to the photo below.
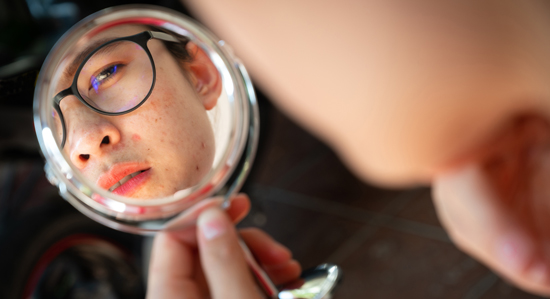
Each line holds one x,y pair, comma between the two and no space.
104,76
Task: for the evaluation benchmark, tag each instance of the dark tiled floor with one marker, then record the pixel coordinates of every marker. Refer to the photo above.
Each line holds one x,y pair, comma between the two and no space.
388,242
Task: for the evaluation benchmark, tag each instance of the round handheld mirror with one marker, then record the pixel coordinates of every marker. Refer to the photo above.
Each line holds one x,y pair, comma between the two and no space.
141,114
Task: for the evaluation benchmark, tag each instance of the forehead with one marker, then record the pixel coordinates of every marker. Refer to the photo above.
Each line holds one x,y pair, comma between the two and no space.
64,74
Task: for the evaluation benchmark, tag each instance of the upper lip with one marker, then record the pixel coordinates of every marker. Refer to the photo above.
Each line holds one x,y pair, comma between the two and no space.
118,171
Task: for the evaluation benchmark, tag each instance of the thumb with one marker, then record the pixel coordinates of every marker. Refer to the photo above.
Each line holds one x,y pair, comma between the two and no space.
222,258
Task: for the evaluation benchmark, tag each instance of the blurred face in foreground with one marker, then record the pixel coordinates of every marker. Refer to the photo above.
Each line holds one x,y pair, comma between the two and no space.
453,93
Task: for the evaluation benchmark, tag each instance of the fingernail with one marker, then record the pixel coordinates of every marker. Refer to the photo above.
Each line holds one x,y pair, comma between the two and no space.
212,223
514,251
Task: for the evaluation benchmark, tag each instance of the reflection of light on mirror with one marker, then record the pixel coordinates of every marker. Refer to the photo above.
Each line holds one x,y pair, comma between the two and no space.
48,137
226,77
115,206
62,188
309,290
86,190
286,295
49,141
176,29
182,193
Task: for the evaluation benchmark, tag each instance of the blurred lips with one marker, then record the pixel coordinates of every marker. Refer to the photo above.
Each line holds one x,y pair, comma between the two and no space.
125,178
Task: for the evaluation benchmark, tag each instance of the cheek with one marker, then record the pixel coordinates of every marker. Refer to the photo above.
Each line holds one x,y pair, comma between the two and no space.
176,125
204,152
196,143
153,118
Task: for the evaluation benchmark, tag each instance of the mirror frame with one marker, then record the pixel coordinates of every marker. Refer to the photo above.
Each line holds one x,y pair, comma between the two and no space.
146,217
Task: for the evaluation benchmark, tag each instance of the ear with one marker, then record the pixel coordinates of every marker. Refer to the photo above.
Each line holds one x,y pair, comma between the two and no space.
204,76
496,206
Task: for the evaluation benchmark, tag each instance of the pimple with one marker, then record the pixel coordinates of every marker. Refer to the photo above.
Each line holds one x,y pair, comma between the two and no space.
197,167
202,145
136,137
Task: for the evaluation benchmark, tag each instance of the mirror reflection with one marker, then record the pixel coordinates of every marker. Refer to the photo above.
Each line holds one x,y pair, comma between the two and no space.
132,107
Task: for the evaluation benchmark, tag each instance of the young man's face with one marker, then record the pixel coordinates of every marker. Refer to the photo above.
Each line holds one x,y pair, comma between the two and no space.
163,146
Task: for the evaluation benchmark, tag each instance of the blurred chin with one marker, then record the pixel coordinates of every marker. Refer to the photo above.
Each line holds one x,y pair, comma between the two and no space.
386,175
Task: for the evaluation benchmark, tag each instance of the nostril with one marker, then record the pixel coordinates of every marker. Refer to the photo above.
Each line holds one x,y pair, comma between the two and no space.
84,158
105,140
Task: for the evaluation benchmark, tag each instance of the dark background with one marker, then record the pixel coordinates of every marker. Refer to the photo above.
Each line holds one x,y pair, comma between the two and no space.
389,243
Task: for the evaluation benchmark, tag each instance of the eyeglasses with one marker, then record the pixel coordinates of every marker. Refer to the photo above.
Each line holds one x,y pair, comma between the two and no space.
115,78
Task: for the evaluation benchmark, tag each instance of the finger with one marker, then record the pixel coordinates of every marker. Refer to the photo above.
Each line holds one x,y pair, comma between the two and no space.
265,248
480,225
222,258
189,217
284,273
183,226
239,207
172,269
274,258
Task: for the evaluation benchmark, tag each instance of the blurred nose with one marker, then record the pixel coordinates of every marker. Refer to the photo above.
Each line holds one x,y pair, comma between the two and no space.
90,135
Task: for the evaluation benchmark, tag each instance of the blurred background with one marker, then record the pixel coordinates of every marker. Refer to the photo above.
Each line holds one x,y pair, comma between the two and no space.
389,243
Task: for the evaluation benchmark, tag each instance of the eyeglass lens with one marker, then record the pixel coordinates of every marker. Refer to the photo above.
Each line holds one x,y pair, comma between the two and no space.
116,78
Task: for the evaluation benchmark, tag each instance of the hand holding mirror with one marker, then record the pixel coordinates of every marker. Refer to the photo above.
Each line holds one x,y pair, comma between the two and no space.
142,114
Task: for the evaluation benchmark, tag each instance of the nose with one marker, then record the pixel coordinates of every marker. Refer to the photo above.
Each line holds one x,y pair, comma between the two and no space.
90,136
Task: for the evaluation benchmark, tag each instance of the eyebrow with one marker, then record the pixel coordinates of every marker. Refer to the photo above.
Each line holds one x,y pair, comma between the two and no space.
70,71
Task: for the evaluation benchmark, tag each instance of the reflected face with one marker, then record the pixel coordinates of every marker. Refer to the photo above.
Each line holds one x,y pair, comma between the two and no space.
163,146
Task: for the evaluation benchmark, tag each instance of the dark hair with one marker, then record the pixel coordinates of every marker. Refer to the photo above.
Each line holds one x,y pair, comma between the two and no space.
178,50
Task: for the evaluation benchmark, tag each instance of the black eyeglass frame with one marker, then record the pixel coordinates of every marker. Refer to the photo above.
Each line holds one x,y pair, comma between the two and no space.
141,39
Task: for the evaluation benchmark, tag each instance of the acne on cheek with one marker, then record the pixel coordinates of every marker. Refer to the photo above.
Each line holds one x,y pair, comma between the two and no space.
136,137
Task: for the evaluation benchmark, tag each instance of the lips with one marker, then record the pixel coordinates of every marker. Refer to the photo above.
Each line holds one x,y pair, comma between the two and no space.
125,178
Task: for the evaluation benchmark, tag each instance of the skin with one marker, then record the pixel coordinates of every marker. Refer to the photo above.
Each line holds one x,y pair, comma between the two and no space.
170,132
195,263
453,94
397,75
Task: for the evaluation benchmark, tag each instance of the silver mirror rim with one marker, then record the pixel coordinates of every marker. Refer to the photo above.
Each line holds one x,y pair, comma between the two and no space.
74,188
